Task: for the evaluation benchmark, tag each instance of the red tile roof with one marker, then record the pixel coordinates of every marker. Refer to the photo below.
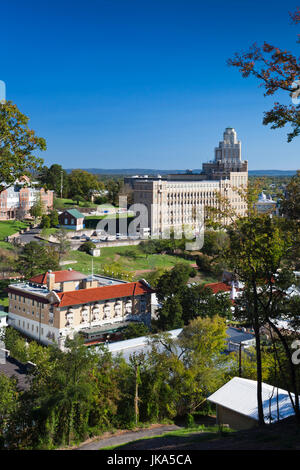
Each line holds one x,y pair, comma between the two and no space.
60,276
218,287
95,294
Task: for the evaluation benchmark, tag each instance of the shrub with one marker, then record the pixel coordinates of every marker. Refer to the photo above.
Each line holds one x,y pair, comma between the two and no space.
87,247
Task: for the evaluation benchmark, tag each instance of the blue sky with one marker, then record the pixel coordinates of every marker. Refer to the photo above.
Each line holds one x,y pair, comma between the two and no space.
143,83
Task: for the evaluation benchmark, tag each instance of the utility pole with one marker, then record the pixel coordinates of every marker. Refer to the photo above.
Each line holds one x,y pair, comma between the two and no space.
61,183
240,360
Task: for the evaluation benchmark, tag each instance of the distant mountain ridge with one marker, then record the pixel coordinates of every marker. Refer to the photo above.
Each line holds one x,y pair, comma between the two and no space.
147,171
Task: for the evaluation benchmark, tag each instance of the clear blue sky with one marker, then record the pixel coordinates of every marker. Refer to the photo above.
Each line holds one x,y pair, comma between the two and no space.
143,83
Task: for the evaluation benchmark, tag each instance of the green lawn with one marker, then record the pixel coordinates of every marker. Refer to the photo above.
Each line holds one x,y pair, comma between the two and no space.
129,258
64,203
9,227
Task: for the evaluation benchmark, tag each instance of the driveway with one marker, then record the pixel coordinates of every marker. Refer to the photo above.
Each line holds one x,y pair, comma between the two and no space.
127,436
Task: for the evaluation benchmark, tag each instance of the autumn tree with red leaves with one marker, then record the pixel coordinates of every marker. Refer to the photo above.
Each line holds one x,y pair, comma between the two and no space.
277,69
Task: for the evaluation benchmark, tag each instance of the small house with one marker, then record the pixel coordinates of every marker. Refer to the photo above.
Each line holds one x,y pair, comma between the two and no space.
71,219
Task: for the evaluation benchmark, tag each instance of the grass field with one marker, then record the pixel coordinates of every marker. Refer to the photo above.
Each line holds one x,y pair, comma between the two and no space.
64,203
129,258
9,227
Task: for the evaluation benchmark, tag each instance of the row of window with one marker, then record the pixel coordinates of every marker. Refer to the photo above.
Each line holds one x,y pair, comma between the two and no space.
20,298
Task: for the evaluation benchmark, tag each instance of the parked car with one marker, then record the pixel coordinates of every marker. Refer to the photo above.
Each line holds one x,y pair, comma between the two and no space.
121,236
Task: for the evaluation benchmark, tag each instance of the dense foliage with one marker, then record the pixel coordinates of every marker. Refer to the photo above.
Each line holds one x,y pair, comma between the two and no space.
82,392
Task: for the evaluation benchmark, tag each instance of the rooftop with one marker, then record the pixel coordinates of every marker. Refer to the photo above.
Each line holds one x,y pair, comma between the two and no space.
238,336
240,395
94,294
13,368
75,213
60,276
218,287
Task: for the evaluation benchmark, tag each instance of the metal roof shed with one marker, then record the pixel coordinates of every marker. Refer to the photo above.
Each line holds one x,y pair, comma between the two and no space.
237,403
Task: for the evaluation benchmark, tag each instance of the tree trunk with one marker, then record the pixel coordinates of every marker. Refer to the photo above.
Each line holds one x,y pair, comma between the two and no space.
136,397
260,410
292,368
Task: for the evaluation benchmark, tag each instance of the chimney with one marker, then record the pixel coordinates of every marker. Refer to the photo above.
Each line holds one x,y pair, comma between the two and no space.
50,280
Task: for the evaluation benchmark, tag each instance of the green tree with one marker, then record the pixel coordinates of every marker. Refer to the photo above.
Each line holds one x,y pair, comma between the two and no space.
170,314
9,397
277,70
257,251
63,242
87,247
37,209
17,145
82,184
36,258
290,205
54,218
56,179
200,301
46,221
135,330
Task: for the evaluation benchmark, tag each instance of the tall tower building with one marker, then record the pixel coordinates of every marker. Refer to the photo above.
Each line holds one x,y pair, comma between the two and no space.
173,200
228,157
229,150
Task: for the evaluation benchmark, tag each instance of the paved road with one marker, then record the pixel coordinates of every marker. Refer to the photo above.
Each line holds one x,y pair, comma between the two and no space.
127,437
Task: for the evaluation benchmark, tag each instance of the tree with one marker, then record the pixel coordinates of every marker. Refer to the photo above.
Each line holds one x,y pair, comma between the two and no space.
169,291
82,184
8,404
54,222
56,179
200,301
36,258
46,221
114,187
63,242
214,242
37,209
276,69
290,205
182,372
173,282
258,254
135,330
17,145
87,247
204,263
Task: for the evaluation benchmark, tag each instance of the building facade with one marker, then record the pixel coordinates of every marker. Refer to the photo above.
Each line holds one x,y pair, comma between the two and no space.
176,201
266,205
71,219
20,197
55,305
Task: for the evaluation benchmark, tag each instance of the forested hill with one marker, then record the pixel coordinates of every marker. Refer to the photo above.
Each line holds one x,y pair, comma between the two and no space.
147,171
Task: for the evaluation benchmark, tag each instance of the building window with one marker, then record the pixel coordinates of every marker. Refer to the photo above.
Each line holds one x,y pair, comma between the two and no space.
106,311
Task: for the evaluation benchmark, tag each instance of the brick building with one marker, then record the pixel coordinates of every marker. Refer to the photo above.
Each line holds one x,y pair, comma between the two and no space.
71,219
20,197
54,305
